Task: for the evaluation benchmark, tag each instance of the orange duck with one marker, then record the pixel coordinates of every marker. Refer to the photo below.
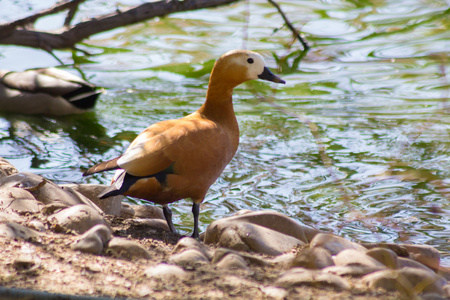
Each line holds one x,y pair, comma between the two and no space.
176,159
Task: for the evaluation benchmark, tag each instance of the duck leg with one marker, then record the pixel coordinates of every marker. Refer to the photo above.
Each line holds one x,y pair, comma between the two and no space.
168,215
196,212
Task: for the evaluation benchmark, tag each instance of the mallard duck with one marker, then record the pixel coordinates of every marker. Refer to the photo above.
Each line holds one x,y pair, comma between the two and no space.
176,159
48,91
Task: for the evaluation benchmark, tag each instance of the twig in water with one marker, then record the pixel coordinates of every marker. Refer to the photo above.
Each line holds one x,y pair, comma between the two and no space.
290,26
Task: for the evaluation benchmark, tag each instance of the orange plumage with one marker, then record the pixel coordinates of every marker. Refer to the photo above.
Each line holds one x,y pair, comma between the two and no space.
182,158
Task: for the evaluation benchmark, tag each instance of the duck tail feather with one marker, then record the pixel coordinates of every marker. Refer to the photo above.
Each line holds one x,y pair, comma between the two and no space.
103,166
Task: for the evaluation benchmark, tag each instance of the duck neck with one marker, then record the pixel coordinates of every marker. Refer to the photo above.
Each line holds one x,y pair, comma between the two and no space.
219,104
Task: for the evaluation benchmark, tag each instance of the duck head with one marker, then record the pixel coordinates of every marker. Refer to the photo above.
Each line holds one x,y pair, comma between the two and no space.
238,66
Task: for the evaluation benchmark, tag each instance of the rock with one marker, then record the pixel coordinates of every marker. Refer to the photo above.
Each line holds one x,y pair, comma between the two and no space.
312,258
334,244
404,262
426,255
406,281
16,231
126,211
446,289
191,243
283,261
46,191
267,219
398,249
189,258
123,248
354,271
249,258
94,240
6,217
385,256
299,276
17,199
157,224
232,262
444,272
148,212
355,257
36,225
79,218
166,272
248,237
110,205
275,293
6,168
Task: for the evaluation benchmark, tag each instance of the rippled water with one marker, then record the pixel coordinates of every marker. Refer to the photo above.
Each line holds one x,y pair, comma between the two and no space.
372,92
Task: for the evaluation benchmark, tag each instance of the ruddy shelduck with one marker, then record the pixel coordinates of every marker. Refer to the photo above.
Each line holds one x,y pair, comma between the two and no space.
176,159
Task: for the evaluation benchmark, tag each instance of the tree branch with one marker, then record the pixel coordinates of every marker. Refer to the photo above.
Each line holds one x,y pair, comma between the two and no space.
10,35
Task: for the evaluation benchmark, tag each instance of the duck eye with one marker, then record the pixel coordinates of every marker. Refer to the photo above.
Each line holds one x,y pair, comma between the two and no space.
250,60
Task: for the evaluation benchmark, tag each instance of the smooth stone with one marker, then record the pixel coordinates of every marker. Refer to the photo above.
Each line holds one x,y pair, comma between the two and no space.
404,262
334,244
126,211
46,191
36,225
94,240
446,289
191,243
355,257
6,217
16,231
398,249
385,256
247,237
267,219
299,276
424,254
232,262
312,258
284,260
249,258
157,224
148,212
189,258
274,293
444,272
166,272
406,280
110,205
6,168
79,218
17,199
126,249
354,271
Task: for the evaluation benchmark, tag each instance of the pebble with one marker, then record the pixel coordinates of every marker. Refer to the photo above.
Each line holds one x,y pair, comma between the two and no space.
274,293
79,218
148,212
126,211
94,240
267,219
406,280
354,257
16,199
243,236
385,256
36,225
166,272
16,231
424,254
232,262
299,276
157,224
354,271
191,243
312,258
189,258
6,168
404,262
249,258
126,249
334,244
110,205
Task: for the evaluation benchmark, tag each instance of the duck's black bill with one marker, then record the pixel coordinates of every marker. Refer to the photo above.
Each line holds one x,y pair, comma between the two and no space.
268,75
